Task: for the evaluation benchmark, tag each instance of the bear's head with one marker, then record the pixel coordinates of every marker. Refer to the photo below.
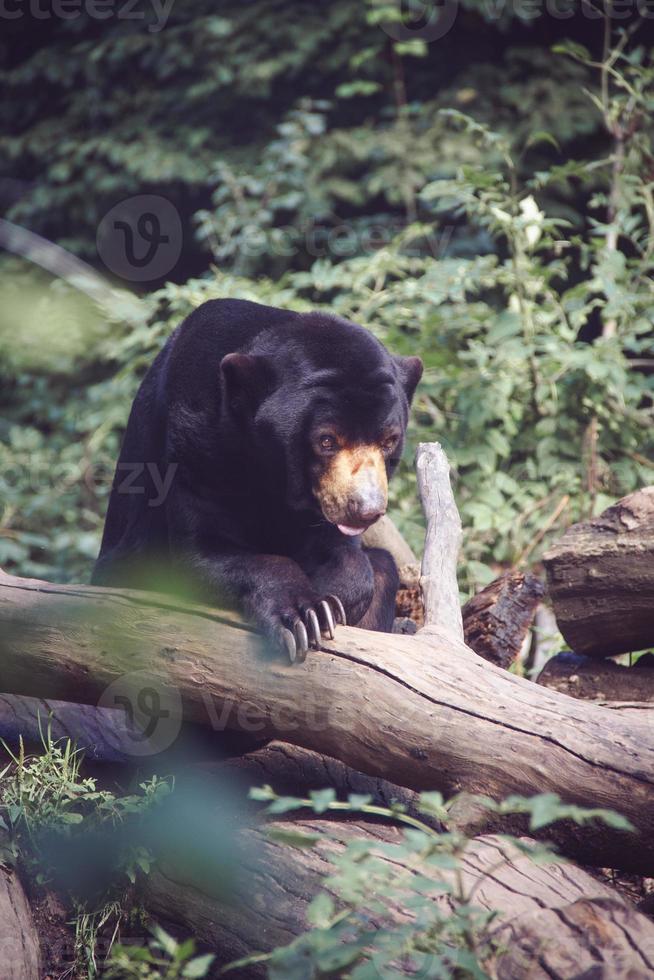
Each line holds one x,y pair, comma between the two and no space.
325,406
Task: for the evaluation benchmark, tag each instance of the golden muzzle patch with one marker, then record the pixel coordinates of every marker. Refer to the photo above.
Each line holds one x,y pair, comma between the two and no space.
352,488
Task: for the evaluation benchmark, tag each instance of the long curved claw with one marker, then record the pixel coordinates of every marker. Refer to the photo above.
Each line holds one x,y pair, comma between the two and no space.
329,619
287,642
301,640
340,611
313,628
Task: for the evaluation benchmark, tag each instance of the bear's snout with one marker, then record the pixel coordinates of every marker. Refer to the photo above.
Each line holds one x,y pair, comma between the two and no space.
353,489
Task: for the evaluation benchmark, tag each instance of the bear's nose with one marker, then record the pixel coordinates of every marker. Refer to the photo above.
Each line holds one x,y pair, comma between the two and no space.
369,508
371,515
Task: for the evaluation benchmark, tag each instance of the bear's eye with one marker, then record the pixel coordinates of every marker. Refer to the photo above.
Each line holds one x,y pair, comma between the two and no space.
389,444
327,443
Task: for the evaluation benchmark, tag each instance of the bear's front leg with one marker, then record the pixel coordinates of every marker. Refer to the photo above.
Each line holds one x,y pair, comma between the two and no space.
275,594
365,579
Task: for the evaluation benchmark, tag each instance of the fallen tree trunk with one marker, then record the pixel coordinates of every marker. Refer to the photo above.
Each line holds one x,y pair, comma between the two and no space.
102,733
601,579
20,956
108,734
553,921
497,620
294,771
423,712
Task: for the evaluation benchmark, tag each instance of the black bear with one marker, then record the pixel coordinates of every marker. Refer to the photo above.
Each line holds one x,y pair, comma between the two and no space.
257,451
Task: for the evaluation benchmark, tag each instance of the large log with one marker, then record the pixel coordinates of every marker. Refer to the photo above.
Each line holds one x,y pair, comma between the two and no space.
423,712
294,771
106,734
554,921
20,956
601,579
102,733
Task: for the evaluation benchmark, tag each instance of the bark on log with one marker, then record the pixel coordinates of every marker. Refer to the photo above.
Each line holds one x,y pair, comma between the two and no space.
294,771
497,620
554,920
601,579
423,711
20,956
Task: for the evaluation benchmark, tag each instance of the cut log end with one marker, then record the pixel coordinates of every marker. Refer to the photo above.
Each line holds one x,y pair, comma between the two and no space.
601,579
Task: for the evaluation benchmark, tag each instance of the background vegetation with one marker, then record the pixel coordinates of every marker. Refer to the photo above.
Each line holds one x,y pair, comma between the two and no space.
485,199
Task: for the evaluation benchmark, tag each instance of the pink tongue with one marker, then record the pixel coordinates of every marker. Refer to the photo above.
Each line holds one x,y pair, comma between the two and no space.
349,530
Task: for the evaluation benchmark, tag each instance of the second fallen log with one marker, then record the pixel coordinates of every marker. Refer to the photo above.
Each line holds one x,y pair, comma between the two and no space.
601,579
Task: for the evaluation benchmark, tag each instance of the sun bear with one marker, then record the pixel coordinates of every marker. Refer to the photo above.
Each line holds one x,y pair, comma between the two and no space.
258,449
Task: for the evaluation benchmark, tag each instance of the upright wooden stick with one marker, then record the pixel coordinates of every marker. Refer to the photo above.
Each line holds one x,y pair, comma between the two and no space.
442,543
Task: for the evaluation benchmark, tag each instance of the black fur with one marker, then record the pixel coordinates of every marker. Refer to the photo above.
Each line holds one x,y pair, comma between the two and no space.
214,472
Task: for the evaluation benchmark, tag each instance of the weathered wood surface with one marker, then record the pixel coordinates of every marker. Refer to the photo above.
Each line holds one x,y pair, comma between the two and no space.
554,921
106,734
20,957
102,733
423,712
438,579
546,641
409,603
601,579
497,620
384,534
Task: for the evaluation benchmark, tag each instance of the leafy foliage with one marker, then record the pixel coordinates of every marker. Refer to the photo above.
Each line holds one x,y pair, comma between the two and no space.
509,245
46,801
246,135
163,957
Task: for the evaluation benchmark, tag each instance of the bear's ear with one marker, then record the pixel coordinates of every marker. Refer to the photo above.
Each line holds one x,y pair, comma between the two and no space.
410,371
247,379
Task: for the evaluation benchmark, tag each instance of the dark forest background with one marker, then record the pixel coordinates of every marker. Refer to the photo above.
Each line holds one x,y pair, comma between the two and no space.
484,198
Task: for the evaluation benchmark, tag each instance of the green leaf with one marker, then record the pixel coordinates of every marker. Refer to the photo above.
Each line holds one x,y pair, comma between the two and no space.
359,800
321,910
572,49
322,799
198,967
542,136
72,818
348,90
294,838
